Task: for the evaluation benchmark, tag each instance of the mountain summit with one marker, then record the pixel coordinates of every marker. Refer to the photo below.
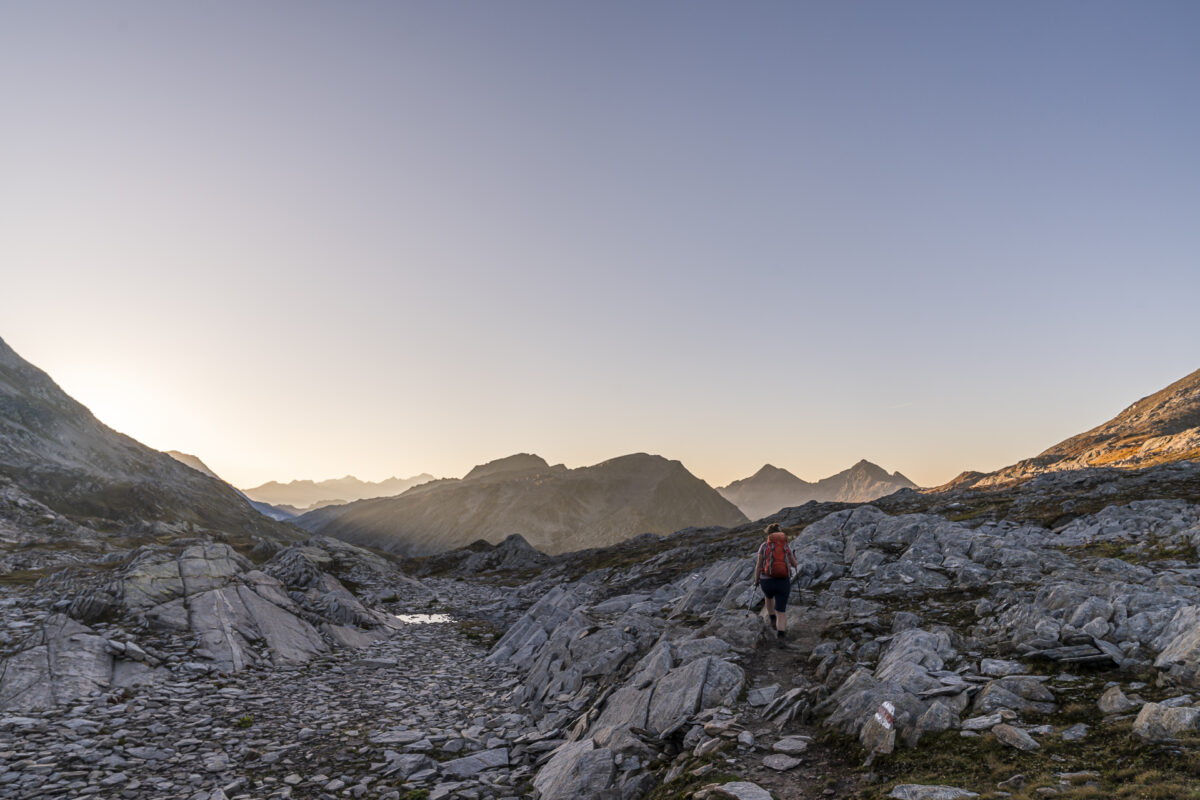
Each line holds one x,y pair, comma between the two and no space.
556,509
772,488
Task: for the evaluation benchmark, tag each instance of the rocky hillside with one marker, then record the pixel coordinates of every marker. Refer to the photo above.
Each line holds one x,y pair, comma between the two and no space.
772,488
554,508
308,495
55,451
1158,429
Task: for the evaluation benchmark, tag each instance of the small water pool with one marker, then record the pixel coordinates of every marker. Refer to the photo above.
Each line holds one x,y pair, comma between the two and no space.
422,619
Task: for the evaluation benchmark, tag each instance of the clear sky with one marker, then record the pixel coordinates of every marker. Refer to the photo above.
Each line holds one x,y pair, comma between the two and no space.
308,239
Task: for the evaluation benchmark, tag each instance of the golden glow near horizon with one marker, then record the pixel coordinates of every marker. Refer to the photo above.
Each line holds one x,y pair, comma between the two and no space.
259,432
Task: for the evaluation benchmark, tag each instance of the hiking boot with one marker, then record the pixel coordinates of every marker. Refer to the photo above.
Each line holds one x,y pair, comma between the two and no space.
773,623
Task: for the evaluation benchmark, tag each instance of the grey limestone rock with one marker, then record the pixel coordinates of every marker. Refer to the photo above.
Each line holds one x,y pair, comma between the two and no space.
999,668
1156,722
1075,733
578,771
734,790
940,717
762,695
472,765
1015,737
1114,701
791,745
63,661
781,762
1179,647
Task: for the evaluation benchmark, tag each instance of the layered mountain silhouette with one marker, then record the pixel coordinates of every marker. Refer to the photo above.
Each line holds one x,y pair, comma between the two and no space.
1158,429
772,488
56,451
279,513
301,496
555,508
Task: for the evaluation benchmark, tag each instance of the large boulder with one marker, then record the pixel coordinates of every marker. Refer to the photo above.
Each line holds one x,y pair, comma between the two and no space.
240,615
1179,647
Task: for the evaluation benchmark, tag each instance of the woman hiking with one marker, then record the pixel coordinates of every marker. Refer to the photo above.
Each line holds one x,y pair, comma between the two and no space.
773,574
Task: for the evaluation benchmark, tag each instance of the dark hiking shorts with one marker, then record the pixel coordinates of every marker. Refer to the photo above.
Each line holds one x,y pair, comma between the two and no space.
778,588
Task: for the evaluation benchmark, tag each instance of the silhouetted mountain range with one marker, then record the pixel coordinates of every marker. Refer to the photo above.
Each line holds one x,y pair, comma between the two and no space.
274,512
555,508
772,488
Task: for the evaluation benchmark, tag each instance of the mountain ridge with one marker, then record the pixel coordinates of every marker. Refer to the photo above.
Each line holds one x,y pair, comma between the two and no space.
306,495
1160,428
555,508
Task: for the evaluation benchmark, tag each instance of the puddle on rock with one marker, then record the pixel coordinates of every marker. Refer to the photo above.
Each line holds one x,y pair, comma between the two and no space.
422,619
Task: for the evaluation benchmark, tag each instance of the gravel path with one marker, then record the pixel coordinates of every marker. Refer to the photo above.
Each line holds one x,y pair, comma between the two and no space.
420,711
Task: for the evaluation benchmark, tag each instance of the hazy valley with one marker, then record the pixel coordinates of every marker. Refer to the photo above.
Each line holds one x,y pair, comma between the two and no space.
531,630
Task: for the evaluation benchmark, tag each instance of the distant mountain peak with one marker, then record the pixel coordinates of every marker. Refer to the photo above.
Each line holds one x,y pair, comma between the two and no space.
770,469
520,462
308,494
772,488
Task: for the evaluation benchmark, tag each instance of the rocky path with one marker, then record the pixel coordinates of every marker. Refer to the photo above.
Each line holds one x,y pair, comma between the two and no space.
821,771
418,713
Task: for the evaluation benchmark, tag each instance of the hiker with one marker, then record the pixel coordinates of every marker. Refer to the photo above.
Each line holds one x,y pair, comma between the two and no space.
773,573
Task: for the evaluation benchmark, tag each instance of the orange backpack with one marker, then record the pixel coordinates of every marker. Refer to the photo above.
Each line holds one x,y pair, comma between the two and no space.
774,563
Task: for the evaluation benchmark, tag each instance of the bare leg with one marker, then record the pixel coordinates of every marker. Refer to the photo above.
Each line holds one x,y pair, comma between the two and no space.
781,621
770,603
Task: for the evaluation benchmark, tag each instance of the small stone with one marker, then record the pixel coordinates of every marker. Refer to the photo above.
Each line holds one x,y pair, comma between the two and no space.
762,695
1015,737
998,668
791,745
1114,701
1075,732
737,790
983,723
780,763
1014,784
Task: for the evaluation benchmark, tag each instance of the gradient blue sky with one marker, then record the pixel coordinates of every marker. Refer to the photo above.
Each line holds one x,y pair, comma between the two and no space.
310,239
